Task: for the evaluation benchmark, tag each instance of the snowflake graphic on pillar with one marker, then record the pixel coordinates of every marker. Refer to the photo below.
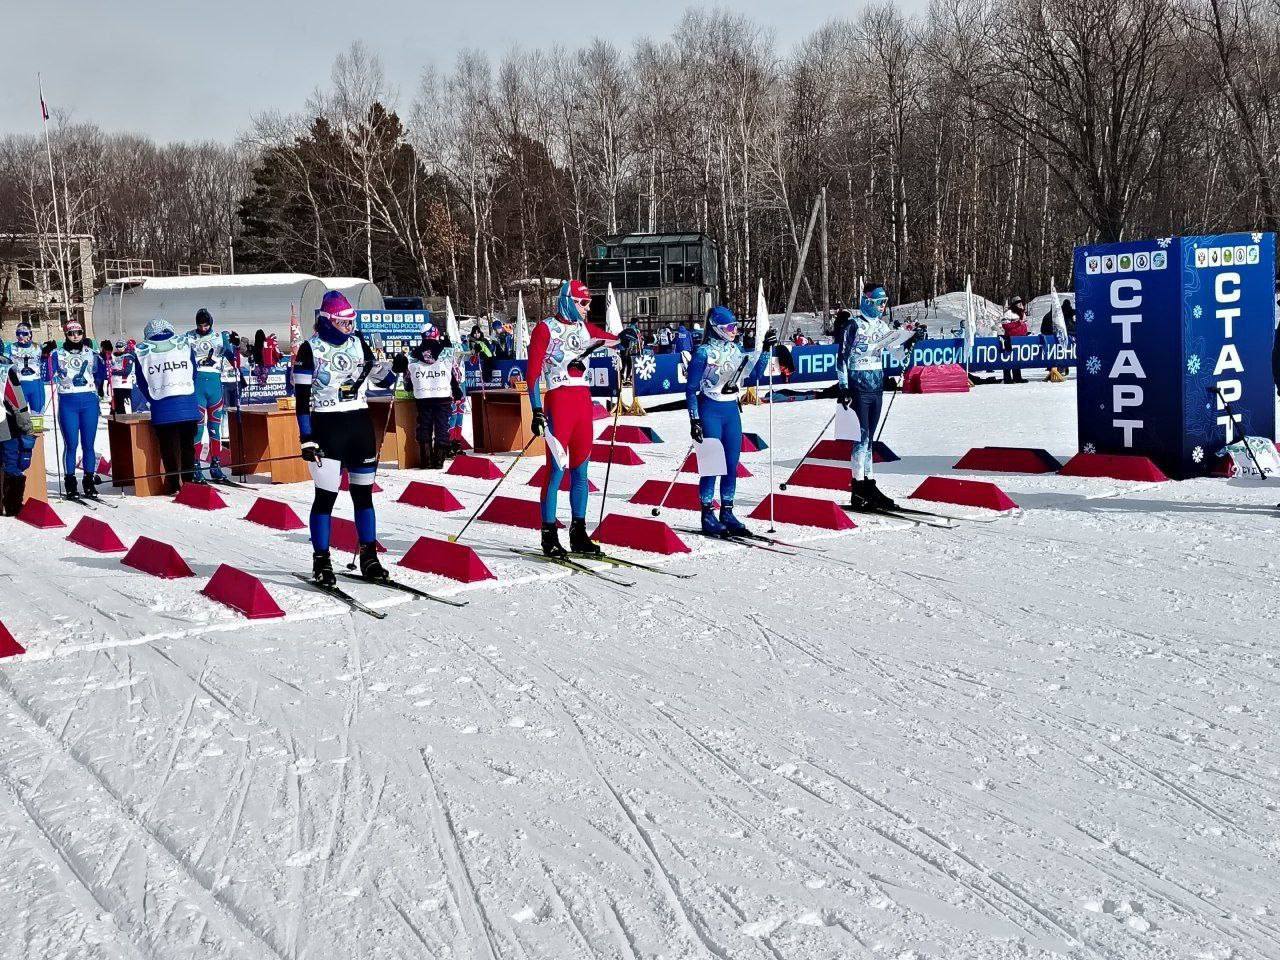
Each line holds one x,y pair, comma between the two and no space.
1198,454
1088,316
1257,237
1164,242
1193,364
1197,311
646,366
1094,366
1089,448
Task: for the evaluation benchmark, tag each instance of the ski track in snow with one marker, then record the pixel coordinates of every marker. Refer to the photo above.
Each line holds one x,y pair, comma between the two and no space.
1051,736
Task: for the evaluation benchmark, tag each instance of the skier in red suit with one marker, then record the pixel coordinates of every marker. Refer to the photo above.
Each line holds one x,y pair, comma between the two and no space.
561,398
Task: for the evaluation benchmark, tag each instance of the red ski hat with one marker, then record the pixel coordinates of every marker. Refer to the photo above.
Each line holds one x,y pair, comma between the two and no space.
579,291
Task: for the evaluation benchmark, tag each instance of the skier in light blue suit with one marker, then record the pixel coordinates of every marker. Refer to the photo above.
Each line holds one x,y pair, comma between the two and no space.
77,372
716,372
860,372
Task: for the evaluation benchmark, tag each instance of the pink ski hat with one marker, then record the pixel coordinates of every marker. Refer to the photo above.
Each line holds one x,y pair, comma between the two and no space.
334,306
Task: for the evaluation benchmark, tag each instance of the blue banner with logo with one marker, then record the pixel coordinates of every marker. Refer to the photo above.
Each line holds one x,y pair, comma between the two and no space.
1160,324
1228,330
392,331
657,374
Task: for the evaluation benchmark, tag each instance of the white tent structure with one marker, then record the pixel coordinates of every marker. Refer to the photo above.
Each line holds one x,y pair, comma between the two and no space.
244,302
361,294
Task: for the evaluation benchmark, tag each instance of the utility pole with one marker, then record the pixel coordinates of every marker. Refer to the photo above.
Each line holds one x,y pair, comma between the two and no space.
826,264
799,275
53,195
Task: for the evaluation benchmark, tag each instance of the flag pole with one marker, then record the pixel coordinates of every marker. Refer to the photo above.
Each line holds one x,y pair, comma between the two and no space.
53,193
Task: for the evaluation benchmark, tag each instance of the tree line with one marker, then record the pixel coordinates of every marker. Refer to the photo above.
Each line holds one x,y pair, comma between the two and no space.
983,138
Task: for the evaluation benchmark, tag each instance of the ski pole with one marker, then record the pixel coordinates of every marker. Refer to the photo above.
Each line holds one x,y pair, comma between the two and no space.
772,529
613,440
53,409
377,462
458,536
657,511
1244,439
816,441
230,466
884,420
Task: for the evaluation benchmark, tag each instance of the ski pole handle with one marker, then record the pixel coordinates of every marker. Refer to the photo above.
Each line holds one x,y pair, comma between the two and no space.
229,466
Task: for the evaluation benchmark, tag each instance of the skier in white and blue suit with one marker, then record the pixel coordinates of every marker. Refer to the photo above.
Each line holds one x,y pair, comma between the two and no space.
331,373
860,373
716,372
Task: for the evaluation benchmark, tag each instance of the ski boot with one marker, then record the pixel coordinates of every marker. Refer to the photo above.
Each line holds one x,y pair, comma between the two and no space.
216,473
551,542
579,542
322,569
15,485
732,525
858,499
91,485
426,456
72,491
439,455
711,524
371,567
197,474
878,499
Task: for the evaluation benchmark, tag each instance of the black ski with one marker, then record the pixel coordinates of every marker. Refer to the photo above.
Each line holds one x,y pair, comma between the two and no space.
910,511
569,563
404,588
78,500
910,516
339,594
230,483
619,562
743,541
775,542
97,499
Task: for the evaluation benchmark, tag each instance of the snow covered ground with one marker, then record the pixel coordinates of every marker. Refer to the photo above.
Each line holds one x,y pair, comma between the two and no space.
1048,736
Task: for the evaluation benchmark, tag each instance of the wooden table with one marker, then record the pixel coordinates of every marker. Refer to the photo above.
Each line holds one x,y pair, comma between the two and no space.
37,481
502,421
135,455
395,424
264,439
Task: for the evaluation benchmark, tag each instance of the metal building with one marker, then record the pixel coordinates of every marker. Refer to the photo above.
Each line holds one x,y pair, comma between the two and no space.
658,277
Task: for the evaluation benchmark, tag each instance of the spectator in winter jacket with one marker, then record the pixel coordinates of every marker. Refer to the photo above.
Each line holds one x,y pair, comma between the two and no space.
1014,324
662,339
683,340
165,365
482,349
630,343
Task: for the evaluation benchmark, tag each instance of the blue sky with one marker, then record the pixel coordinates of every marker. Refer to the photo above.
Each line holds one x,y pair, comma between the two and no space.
177,69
